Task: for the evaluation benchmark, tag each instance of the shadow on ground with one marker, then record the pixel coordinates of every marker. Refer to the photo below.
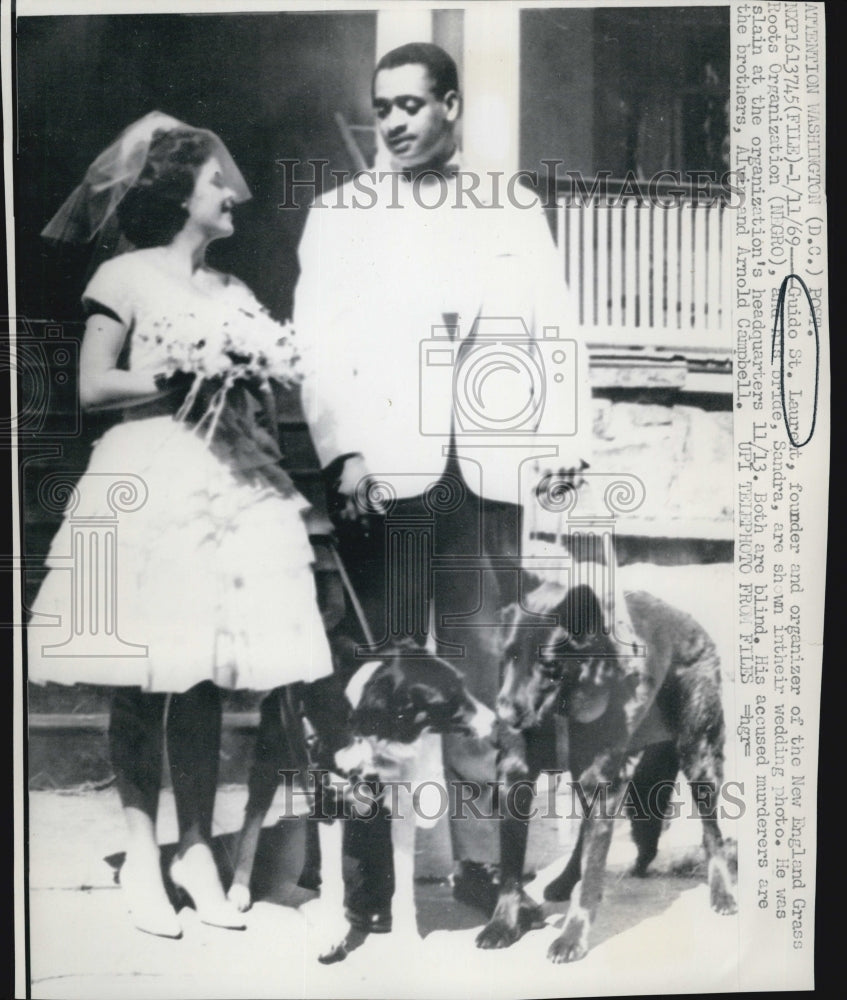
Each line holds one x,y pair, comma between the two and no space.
279,859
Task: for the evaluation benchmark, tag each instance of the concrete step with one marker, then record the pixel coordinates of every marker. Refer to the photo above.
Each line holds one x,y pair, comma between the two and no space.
68,750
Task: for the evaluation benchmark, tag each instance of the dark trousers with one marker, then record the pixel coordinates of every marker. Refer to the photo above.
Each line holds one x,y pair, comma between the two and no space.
435,568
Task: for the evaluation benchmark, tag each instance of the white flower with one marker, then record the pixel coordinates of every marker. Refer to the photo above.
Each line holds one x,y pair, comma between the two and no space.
240,343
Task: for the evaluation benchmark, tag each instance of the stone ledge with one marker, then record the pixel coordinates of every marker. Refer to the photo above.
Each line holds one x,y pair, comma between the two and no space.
99,721
683,454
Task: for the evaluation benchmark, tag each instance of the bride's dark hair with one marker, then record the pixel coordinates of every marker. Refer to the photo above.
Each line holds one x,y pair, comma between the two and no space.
152,212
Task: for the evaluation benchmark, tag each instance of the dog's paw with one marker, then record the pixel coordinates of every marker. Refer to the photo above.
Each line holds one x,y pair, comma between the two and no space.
721,892
498,933
514,914
239,896
572,944
725,904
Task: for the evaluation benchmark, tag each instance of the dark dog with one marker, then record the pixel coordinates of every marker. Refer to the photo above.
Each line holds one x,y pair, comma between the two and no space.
369,731
668,706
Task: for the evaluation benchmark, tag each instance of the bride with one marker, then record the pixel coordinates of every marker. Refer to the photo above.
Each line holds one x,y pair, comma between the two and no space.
213,570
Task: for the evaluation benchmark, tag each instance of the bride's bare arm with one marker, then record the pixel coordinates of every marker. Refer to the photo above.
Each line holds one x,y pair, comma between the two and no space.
101,384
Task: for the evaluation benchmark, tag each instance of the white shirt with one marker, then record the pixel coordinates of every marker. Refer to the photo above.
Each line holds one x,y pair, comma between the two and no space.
380,270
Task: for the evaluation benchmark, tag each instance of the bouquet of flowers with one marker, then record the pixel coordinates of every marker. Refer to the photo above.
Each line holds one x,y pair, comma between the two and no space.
242,348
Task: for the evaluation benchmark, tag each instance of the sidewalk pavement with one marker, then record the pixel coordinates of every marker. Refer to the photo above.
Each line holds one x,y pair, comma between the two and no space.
650,933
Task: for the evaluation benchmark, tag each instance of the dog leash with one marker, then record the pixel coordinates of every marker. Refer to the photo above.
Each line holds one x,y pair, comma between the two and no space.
292,713
351,592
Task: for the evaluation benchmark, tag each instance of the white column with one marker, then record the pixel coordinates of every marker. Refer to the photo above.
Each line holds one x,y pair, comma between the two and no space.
491,86
401,24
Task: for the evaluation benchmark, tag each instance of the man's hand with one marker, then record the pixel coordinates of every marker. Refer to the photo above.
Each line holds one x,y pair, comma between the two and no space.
357,499
353,472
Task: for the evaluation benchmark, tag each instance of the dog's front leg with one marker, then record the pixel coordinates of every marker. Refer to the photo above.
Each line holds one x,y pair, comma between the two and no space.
403,826
515,913
603,792
325,912
239,893
562,886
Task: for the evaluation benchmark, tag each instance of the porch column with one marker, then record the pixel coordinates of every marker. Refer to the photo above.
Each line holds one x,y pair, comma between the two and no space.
491,86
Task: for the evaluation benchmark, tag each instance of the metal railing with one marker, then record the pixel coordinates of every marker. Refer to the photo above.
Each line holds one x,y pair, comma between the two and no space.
648,271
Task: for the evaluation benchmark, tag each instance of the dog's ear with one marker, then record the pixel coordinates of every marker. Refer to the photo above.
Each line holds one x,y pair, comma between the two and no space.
581,614
580,627
377,693
372,716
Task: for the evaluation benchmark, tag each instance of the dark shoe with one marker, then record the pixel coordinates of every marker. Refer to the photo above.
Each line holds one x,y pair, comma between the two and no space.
477,885
369,923
354,939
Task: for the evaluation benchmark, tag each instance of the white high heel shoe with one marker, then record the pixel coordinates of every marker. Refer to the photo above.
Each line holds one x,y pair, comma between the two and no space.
148,903
196,875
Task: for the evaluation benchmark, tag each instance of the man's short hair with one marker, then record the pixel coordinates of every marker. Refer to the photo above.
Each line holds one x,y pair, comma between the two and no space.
440,66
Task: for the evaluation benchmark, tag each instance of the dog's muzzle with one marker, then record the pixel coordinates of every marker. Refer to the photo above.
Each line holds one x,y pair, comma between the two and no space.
483,722
356,758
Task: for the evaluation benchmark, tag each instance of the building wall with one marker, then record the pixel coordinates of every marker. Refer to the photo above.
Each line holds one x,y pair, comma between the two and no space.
269,85
593,96
557,88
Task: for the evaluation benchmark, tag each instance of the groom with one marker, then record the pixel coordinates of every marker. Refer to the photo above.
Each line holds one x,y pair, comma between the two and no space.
408,273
